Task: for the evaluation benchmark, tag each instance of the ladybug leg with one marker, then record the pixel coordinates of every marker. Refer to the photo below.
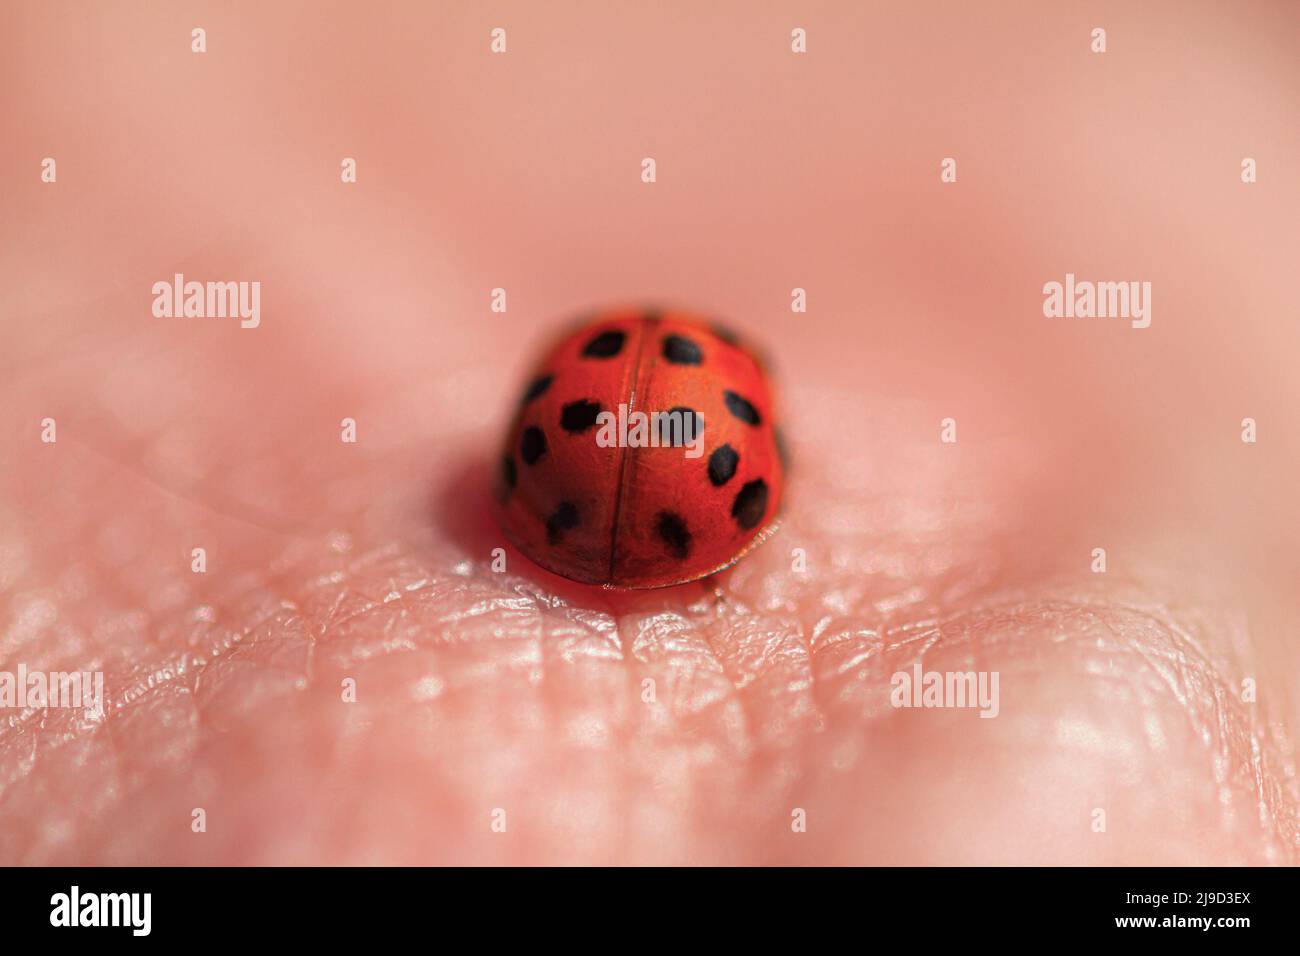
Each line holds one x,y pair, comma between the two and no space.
715,596
713,587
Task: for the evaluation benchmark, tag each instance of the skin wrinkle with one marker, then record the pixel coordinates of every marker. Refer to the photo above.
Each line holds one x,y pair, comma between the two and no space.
1157,640
1204,695
965,629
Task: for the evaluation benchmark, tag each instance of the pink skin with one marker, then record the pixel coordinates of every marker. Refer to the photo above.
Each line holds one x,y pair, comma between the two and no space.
478,690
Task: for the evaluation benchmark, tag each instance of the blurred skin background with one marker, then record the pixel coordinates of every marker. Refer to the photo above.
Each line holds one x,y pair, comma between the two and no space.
520,692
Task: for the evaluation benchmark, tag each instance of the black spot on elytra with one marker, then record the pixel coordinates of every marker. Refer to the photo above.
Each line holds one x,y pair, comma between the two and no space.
674,432
579,416
538,387
682,351
672,529
564,518
722,464
533,445
605,345
741,408
750,504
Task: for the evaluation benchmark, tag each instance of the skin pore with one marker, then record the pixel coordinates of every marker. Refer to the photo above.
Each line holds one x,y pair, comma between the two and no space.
328,562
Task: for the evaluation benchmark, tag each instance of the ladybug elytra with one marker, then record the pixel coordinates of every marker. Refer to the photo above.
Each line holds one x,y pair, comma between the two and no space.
643,453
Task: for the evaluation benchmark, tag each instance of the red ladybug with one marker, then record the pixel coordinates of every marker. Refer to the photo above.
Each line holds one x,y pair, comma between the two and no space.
599,485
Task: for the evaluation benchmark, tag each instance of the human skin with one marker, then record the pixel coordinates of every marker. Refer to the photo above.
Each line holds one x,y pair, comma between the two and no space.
478,691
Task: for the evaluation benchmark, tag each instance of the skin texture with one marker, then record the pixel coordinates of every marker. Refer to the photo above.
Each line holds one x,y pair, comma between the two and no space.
520,691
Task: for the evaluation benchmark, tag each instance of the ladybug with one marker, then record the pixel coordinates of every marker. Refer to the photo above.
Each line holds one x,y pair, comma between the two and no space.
643,453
